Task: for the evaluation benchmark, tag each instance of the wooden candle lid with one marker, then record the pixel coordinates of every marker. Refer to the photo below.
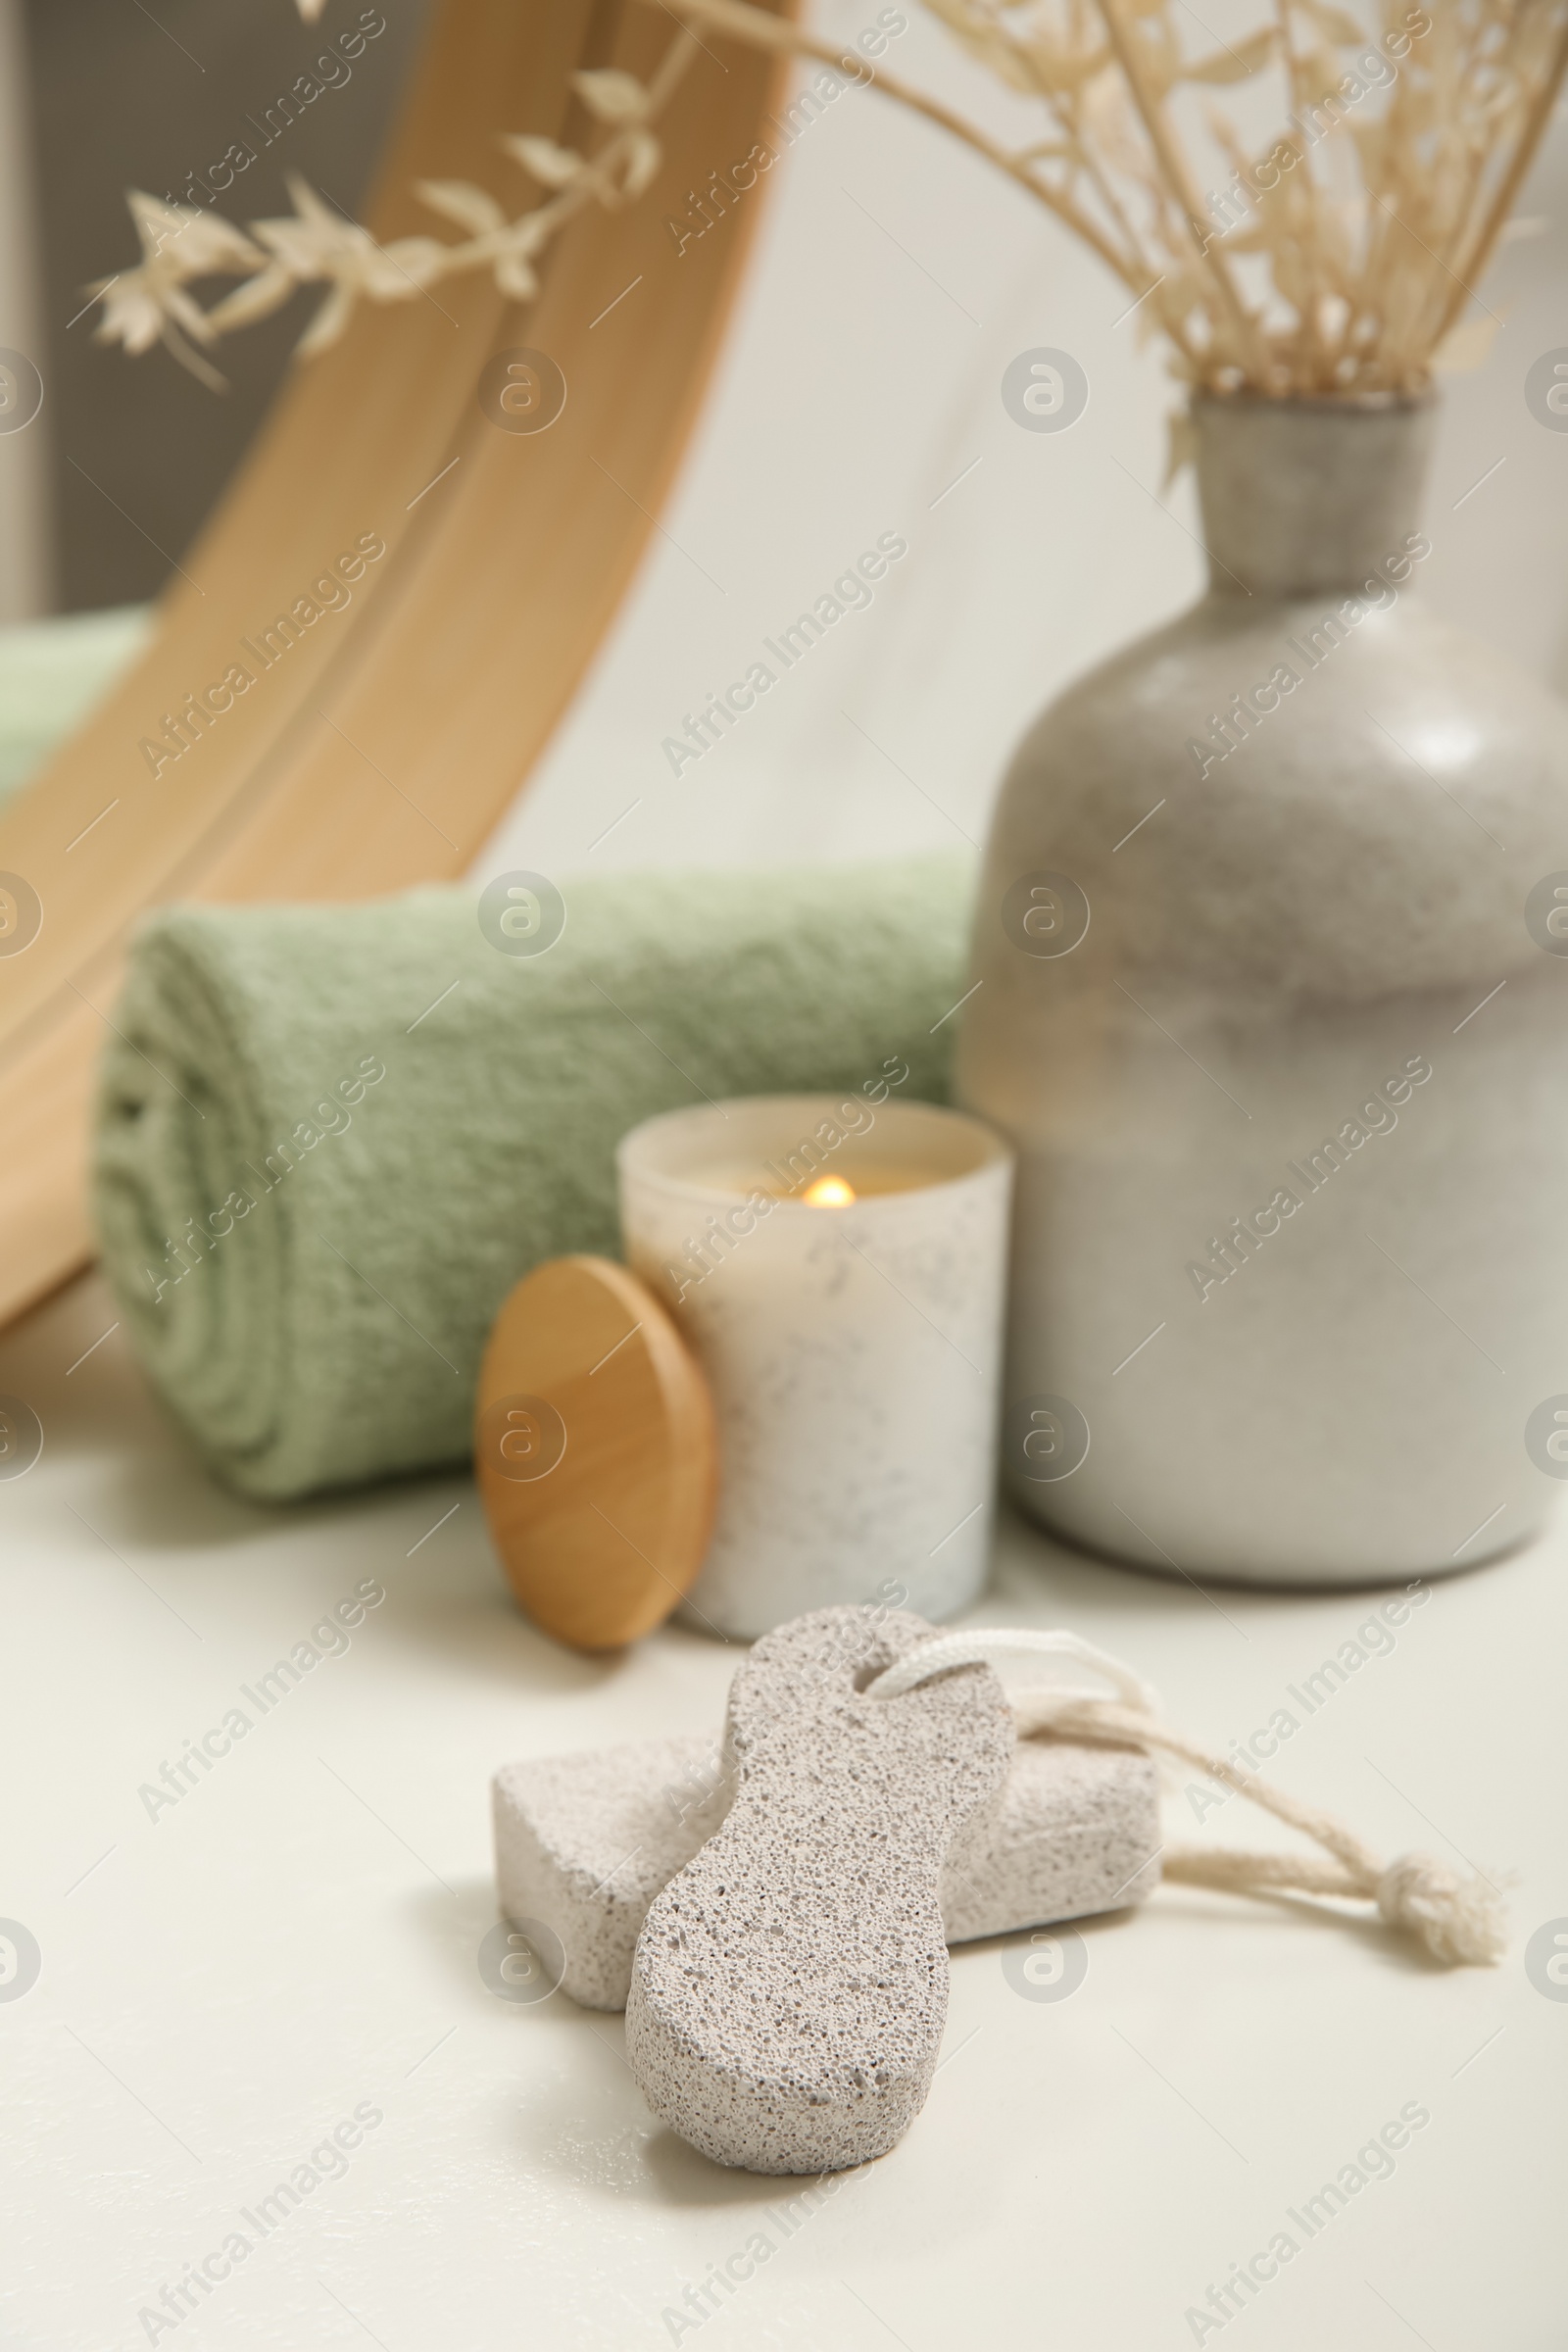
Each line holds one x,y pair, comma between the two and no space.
595,1452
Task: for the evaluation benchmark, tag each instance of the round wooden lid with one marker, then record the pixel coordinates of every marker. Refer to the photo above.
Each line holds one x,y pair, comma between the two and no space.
595,1452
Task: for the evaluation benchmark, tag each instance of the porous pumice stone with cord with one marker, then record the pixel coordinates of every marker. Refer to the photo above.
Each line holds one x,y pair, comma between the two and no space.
790,1984
584,1844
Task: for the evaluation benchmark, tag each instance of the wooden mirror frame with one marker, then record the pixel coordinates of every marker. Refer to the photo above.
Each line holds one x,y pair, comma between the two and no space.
382,747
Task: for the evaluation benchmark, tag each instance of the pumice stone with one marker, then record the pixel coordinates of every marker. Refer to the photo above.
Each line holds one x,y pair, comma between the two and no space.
584,1842
790,1984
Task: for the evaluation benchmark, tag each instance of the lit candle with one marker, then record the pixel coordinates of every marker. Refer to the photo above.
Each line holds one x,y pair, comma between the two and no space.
838,1265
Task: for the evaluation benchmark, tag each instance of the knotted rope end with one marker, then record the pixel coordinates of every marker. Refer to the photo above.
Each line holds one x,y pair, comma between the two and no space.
1461,1921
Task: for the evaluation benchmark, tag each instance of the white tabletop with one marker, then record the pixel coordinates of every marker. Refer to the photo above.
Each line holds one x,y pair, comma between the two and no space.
225,1982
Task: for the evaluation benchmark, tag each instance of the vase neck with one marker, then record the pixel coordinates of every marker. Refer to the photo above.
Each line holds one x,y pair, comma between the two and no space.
1303,496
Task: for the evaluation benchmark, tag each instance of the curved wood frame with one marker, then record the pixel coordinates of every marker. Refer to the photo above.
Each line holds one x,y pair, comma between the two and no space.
382,747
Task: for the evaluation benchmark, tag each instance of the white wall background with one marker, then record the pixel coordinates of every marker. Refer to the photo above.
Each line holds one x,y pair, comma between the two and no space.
894,277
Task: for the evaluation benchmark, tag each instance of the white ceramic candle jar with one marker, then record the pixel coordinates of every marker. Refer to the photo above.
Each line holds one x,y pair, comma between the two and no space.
838,1265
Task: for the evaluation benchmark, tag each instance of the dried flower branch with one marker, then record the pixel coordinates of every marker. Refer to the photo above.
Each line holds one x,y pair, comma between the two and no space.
149,304
1337,260
315,245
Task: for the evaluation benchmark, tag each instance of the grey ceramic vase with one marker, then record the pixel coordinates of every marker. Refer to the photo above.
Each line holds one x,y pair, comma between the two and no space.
1272,1001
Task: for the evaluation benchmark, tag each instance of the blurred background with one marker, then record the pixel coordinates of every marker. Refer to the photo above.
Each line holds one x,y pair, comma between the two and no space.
100,96
894,279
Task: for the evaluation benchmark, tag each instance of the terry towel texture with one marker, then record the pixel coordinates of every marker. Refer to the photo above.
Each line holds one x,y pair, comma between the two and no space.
330,1139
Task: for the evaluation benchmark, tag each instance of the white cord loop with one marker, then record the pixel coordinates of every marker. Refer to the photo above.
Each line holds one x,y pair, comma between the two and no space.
1461,1921
984,1644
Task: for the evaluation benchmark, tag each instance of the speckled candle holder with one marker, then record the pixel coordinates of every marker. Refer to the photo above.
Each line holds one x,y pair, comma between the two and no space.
853,1351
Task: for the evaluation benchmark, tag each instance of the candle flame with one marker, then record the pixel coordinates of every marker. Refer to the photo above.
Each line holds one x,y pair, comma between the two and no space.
828,1191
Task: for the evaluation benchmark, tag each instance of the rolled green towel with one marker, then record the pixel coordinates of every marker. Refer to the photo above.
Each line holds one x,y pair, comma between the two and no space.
330,1139
51,675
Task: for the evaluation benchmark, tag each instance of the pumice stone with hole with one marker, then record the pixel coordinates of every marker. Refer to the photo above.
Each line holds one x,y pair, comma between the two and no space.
790,1984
